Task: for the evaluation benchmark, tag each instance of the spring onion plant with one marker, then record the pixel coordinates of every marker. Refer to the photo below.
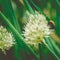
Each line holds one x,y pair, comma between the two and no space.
34,33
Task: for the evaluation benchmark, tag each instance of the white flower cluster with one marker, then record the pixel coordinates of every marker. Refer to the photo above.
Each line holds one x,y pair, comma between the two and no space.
6,39
36,28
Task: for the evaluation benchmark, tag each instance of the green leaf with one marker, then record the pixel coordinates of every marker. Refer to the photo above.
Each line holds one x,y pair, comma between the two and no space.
8,11
55,46
27,5
57,23
50,47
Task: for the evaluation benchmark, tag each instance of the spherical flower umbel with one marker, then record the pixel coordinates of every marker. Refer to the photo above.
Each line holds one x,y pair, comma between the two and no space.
6,39
36,28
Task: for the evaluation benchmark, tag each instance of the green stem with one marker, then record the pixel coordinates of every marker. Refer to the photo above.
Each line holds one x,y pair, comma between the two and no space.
16,24
48,42
58,2
16,52
8,11
51,50
57,23
21,39
28,6
55,46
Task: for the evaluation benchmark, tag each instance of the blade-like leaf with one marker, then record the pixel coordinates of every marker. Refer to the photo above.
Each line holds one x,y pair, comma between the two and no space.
50,47
7,9
28,6
57,23
55,45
